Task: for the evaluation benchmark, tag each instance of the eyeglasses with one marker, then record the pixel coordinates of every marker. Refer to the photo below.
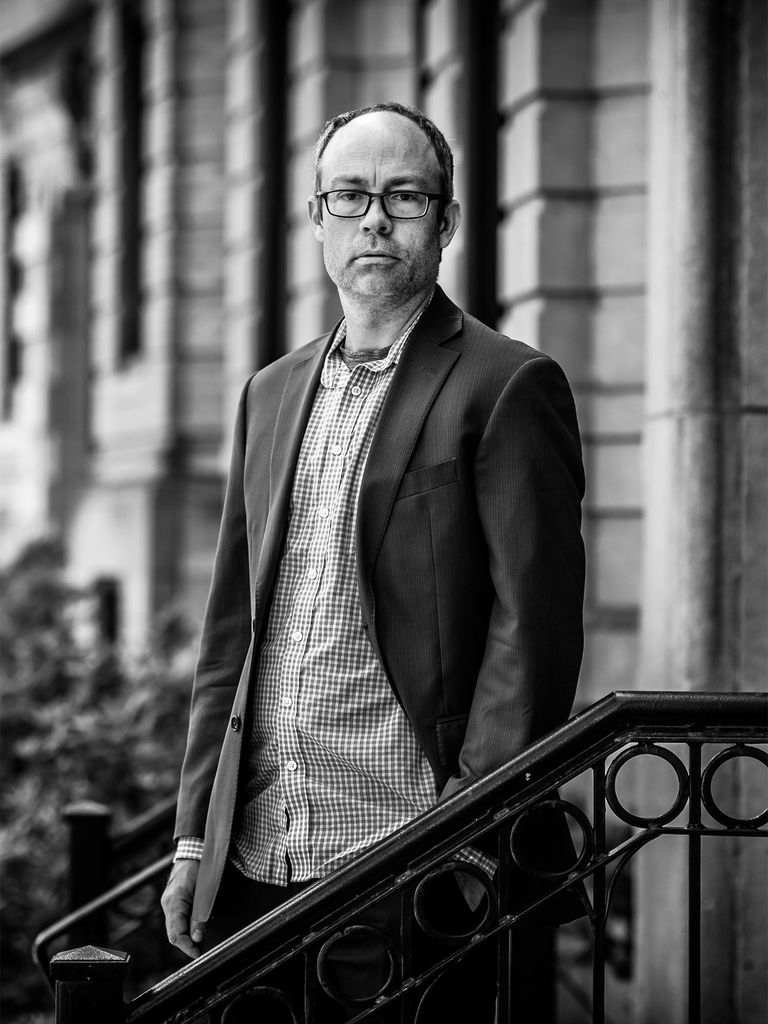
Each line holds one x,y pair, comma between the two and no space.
346,202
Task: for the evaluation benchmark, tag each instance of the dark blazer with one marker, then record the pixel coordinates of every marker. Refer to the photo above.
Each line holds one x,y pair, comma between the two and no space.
469,555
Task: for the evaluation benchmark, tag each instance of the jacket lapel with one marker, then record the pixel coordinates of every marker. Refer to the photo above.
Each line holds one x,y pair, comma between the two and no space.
292,416
421,372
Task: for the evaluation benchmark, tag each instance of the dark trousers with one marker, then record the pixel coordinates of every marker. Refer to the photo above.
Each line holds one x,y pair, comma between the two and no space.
358,965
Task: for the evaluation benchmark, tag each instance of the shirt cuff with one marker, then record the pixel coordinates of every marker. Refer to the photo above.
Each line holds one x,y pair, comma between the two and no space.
188,848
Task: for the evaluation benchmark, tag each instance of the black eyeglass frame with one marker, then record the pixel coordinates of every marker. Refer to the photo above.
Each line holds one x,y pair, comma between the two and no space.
429,196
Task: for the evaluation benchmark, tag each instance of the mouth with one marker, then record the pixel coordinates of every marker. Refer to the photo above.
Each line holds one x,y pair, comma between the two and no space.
375,256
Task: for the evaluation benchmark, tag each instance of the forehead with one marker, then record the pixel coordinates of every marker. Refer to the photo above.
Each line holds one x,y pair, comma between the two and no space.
380,143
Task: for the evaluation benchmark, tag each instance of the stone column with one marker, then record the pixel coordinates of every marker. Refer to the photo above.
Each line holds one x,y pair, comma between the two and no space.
704,600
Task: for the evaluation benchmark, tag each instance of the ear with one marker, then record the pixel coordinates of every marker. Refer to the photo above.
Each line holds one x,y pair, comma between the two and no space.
315,213
449,223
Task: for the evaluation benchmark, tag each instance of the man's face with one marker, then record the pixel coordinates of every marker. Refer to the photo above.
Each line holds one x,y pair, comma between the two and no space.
373,260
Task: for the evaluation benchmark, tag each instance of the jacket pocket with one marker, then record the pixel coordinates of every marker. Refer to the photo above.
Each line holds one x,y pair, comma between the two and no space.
428,478
450,737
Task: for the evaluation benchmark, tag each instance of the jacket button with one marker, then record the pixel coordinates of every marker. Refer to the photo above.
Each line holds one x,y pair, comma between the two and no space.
235,723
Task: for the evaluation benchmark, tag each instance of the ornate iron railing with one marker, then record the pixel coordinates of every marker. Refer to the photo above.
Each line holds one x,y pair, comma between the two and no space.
588,759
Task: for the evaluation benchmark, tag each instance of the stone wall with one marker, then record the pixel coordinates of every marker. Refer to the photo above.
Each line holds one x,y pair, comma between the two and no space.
573,95
148,517
211,206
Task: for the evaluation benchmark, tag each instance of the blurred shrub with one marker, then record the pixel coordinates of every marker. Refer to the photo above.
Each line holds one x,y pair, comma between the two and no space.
78,722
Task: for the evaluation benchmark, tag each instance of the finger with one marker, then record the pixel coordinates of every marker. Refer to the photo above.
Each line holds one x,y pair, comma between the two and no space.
187,946
197,931
179,936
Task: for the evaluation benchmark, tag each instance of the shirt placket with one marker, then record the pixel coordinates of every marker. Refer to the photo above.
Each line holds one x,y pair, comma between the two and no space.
327,519
349,443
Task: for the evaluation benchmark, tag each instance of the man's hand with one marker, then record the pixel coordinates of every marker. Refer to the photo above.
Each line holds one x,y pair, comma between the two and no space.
177,907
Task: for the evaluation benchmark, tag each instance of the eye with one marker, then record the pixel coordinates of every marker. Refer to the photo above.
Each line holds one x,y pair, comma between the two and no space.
348,196
404,198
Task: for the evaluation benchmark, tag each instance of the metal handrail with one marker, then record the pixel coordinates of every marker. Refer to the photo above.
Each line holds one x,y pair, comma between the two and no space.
71,922
126,846
528,777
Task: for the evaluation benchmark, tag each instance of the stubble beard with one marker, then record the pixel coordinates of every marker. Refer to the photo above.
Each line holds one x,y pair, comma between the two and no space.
380,290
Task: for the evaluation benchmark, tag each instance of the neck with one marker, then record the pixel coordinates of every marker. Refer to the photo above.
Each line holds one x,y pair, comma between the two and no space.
376,327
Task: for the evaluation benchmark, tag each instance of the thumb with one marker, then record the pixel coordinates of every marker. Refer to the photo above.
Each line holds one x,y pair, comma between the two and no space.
197,931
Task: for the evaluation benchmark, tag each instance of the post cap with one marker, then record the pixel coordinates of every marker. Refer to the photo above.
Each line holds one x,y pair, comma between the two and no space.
89,963
86,809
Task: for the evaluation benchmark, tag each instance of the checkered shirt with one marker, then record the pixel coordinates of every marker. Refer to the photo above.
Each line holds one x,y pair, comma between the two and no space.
333,762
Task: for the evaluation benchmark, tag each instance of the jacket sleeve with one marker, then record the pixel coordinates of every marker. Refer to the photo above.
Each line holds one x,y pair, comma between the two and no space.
226,636
529,483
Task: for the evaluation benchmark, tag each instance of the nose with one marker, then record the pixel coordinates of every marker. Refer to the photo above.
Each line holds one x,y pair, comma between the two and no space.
376,219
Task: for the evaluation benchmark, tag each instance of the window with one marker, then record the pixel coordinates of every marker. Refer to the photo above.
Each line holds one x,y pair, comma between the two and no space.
131,159
12,281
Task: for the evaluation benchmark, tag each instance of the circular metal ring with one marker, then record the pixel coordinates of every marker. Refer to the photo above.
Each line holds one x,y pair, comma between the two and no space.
707,778
275,994
419,900
683,785
355,929
581,820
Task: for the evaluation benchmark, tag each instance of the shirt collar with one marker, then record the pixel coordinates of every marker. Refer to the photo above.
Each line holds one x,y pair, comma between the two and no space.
334,363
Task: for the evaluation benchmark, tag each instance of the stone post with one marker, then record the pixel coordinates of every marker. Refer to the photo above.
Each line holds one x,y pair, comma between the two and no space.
704,601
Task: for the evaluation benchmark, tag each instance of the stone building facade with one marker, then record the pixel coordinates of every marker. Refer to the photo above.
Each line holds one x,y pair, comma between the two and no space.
611,162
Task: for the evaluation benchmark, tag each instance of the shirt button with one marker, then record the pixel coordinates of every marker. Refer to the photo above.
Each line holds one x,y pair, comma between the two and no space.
356,391
297,636
291,766
323,511
312,573
286,702
336,449
235,723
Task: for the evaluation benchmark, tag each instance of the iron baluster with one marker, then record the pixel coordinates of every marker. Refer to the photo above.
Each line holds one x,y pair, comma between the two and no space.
599,901
504,948
694,885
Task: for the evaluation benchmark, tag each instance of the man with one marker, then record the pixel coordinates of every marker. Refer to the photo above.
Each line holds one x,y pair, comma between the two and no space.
397,595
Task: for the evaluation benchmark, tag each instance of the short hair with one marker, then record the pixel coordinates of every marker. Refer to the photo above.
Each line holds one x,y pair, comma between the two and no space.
436,138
